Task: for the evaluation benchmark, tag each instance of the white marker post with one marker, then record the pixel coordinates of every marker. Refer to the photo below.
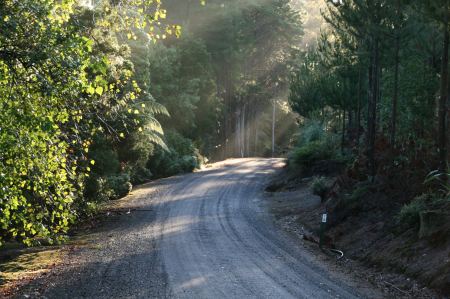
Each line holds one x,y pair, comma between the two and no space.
322,228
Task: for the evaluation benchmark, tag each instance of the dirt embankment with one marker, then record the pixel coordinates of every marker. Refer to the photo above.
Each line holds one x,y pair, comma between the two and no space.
363,224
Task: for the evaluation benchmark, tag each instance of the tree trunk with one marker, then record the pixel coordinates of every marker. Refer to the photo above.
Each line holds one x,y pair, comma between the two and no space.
273,128
256,137
351,124
372,107
358,112
227,115
395,97
378,114
343,132
237,134
243,133
442,129
248,128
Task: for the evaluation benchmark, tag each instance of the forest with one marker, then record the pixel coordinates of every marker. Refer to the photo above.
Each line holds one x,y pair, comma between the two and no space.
98,96
372,96
374,93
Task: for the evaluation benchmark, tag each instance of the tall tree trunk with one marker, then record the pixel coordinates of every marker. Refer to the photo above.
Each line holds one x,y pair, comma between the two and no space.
273,128
343,132
243,133
395,97
228,111
358,112
248,127
256,136
378,114
442,129
237,138
372,107
351,121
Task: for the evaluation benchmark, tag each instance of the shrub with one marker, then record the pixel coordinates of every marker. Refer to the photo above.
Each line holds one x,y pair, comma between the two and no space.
441,179
134,152
105,157
310,132
314,144
139,174
359,192
100,189
119,184
312,152
106,164
319,187
181,156
410,213
95,189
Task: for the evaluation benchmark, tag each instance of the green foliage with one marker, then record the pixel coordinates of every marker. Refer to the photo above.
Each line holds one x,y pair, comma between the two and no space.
101,189
64,78
319,187
39,176
312,152
442,179
181,156
409,214
85,93
106,159
359,192
248,44
181,79
310,132
118,186
95,191
367,79
314,144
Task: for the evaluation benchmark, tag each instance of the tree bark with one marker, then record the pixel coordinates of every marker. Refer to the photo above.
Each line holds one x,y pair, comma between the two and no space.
248,128
228,111
256,137
273,128
237,138
343,131
442,129
395,96
358,112
244,132
372,106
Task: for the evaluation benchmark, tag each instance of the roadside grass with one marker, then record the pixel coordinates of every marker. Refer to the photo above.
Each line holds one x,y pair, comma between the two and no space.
18,264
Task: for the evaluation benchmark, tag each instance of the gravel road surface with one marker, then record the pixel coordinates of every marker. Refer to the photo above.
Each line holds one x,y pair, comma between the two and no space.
201,235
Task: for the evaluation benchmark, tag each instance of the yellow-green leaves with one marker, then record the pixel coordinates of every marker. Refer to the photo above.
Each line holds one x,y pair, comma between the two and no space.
69,89
46,119
90,90
128,17
99,90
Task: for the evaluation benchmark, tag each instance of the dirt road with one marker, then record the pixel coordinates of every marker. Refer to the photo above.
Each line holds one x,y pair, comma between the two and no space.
203,235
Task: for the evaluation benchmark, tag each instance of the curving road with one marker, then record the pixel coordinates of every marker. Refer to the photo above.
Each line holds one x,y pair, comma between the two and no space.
205,235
